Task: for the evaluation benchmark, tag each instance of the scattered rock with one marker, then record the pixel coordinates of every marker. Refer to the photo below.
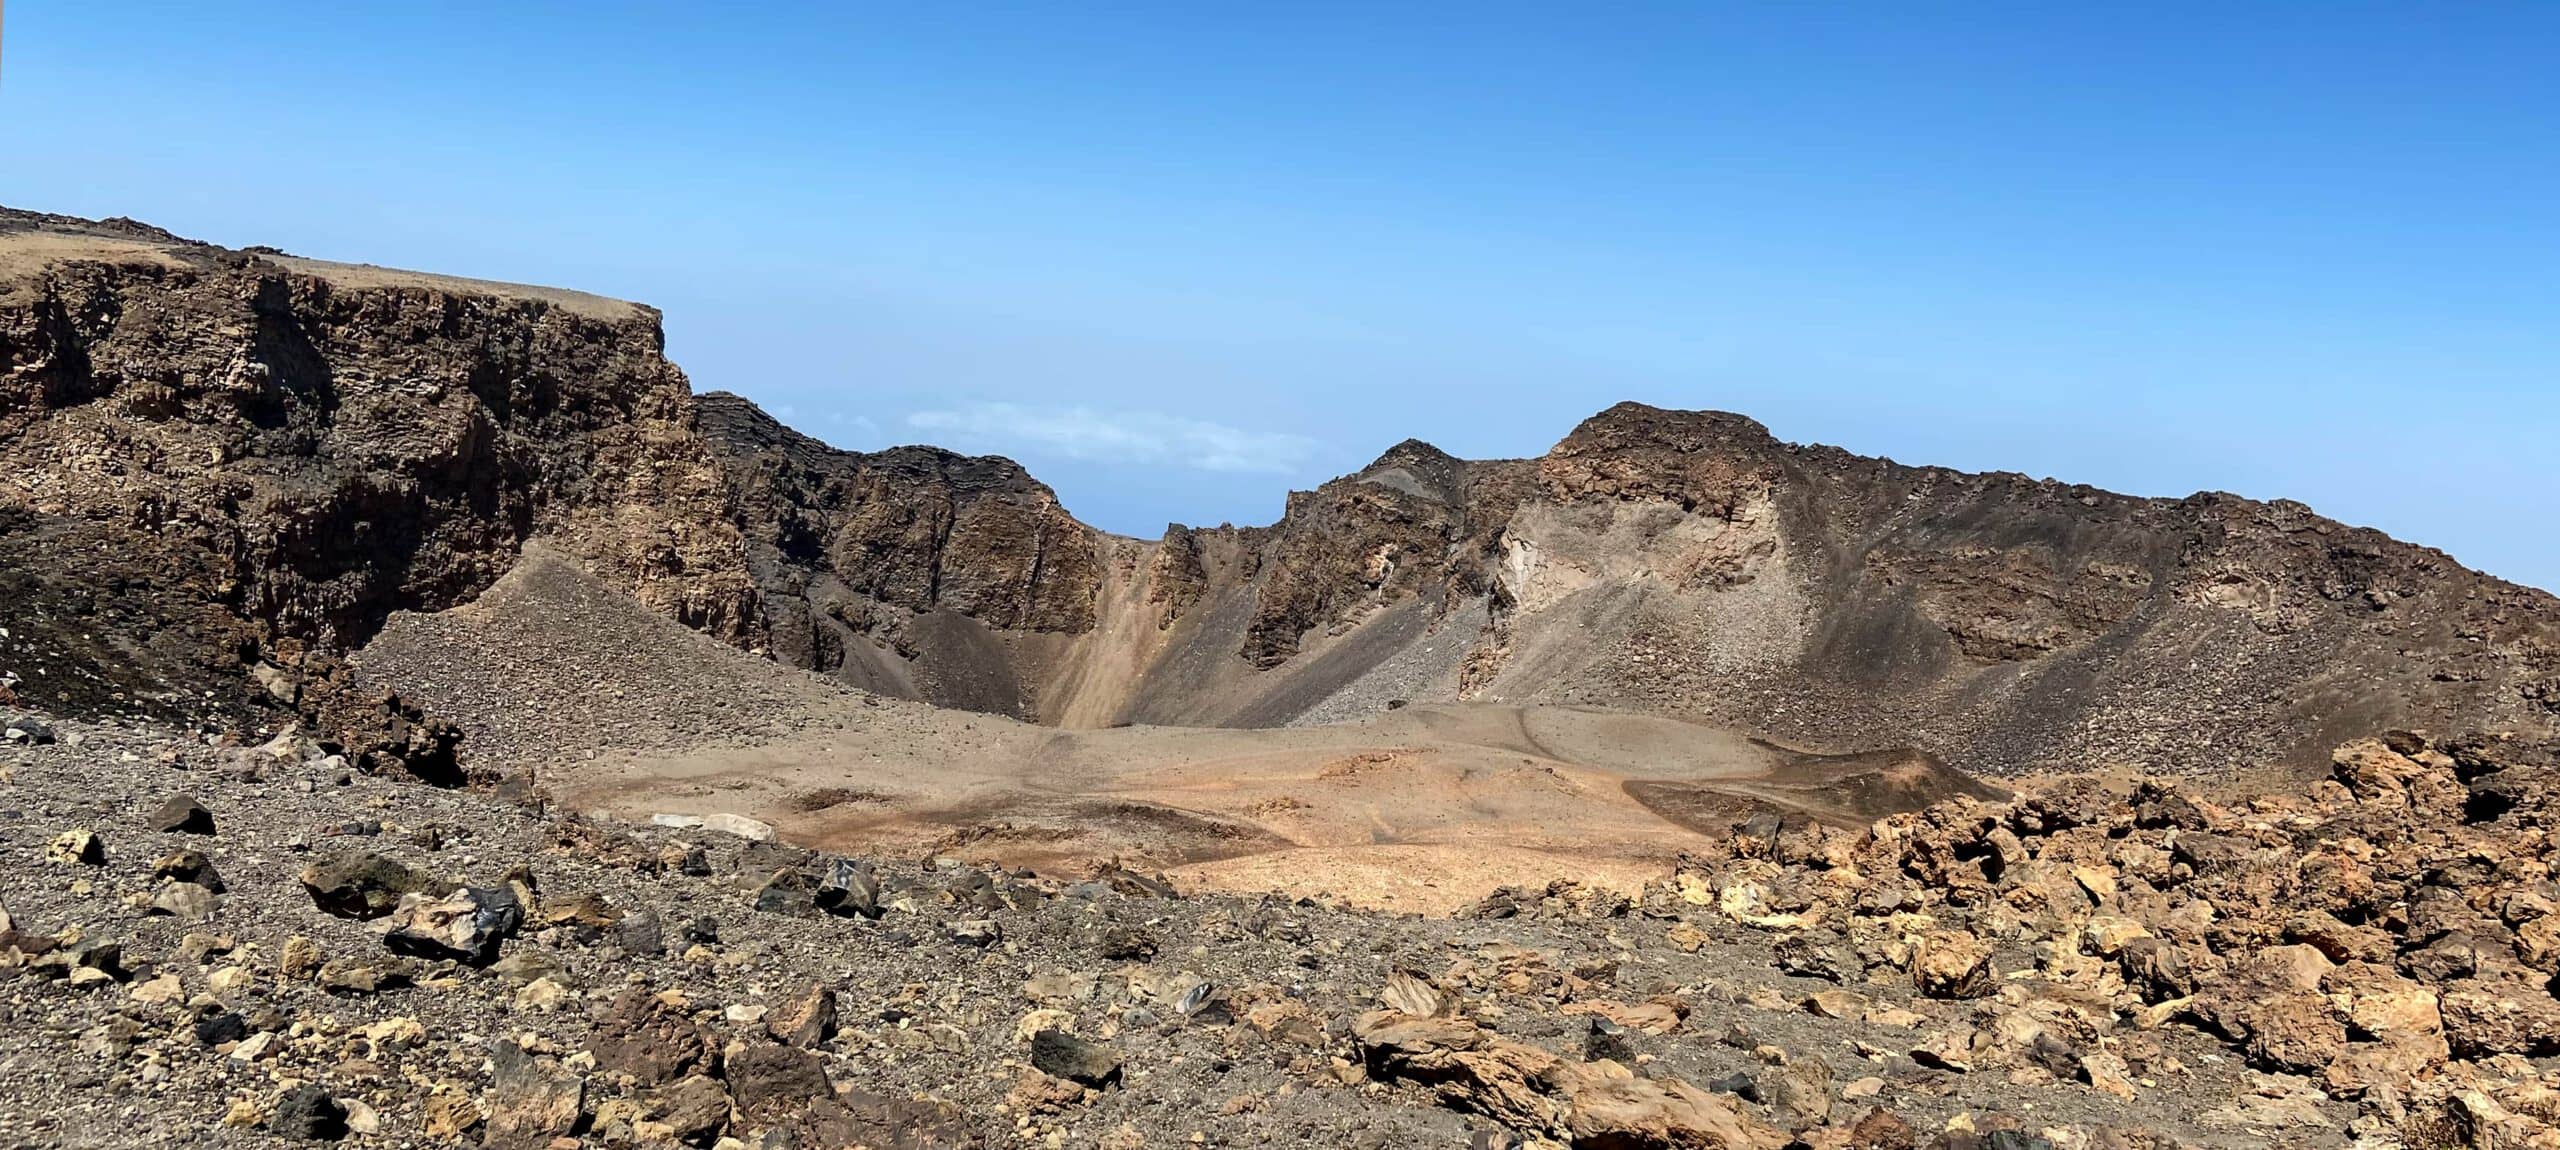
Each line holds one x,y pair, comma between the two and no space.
77,848
640,1035
308,1113
181,814
1060,1054
807,1021
466,927
770,1080
849,888
531,1099
189,902
360,884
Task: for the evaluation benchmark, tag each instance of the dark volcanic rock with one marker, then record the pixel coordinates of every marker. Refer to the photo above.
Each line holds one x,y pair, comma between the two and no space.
654,1043
182,814
849,888
770,1080
847,548
307,1112
1063,1055
361,884
531,1100
302,448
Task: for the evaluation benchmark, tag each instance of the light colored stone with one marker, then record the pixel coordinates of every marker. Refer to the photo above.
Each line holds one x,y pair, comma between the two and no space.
739,825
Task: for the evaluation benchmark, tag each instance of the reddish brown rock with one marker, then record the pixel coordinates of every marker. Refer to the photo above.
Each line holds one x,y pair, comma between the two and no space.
641,1036
1591,1105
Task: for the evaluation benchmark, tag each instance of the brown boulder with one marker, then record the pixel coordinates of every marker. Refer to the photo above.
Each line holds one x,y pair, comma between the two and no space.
1952,964
2484,1017
1593,1106
364,885
772,1081
695,1109
2295,1033
2390,1064
807,1021
650,1041
531,1100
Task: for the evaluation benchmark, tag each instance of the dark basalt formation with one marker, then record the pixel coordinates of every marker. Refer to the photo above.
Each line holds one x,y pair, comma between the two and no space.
850,551
225,469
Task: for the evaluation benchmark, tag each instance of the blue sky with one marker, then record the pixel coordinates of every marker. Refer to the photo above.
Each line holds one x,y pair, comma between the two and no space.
1182,258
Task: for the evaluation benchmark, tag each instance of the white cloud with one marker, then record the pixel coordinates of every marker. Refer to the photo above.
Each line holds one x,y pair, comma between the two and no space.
1144,437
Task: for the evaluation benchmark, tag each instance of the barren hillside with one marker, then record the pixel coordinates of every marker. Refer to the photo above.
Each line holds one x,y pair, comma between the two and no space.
244,462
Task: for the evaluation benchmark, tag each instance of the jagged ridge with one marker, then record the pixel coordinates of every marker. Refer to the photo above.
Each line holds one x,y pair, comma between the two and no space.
244,461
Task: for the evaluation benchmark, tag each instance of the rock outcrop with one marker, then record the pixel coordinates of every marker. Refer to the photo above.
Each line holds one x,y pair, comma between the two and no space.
227,467
896,566
2391,937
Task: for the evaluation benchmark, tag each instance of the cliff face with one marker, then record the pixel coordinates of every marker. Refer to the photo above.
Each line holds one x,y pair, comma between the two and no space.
1417,523
226,468
865,562
240,463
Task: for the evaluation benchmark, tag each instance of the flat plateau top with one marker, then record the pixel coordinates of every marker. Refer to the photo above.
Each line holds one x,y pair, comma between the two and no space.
25,252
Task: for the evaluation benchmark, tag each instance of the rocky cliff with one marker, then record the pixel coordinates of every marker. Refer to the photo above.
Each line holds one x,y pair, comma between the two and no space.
226,468
1689,563
2013,622
859,556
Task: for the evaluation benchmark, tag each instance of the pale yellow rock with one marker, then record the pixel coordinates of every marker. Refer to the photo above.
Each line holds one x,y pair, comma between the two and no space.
542,994
2158,1014
1058,986
2100,884
1895,1016
397,1032
2107,1074
2106,935
1042,1019
2298,966
160,991
2382,1004
1841,1004
449,1112
1407,994
300,960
